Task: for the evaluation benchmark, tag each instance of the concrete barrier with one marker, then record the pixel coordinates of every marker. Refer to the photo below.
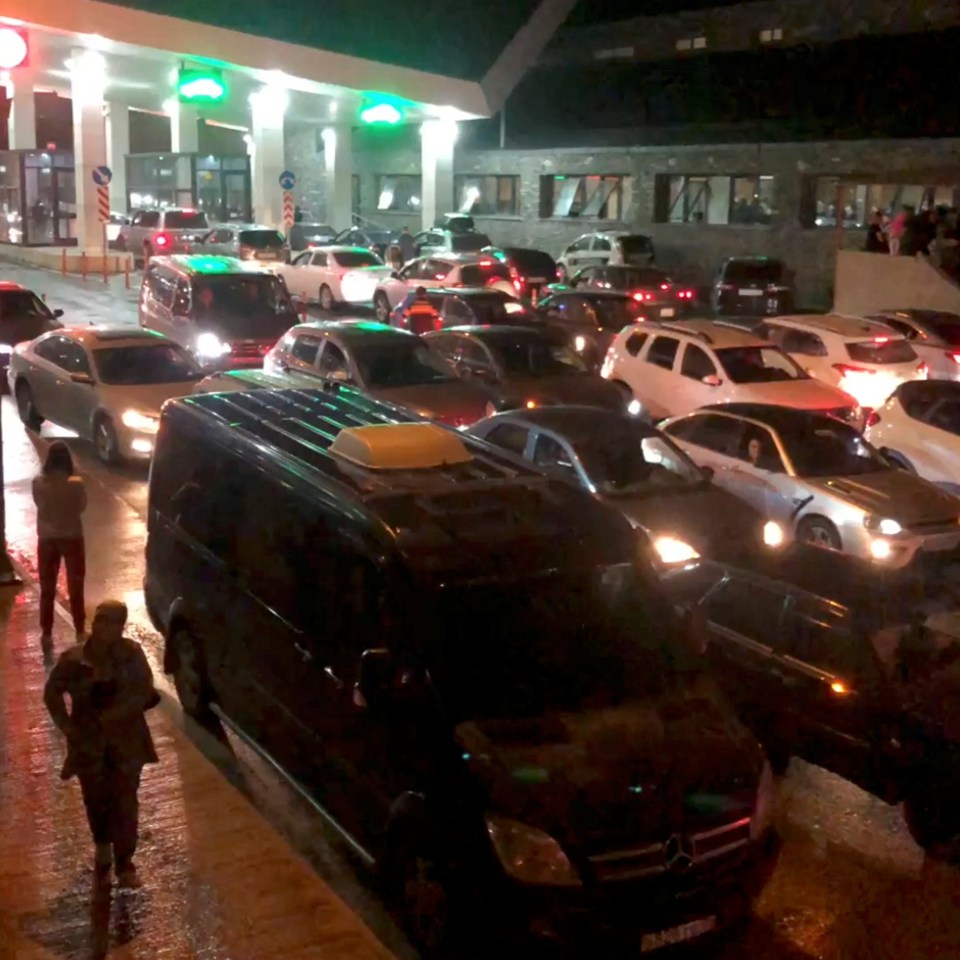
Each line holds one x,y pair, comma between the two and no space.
69,259
869,282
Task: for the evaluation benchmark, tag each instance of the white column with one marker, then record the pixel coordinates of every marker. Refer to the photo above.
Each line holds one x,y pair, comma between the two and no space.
437,138
118,146
22,125
88,79
338,158
184,128
267,106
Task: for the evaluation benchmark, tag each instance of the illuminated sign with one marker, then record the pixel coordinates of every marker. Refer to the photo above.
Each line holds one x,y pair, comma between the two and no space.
14,48
201,85
381,113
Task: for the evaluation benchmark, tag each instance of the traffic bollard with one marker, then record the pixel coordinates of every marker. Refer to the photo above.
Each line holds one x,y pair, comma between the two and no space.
83,265
63,261
126,272
106,269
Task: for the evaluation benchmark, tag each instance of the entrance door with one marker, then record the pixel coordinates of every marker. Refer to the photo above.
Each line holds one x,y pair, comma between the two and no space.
235,197
65,205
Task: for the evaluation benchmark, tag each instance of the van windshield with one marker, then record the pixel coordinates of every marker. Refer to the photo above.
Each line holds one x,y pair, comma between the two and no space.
523,650
185,220
249,305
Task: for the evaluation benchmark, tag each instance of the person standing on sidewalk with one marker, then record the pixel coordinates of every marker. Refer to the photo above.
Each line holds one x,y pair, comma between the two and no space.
61,498
110,686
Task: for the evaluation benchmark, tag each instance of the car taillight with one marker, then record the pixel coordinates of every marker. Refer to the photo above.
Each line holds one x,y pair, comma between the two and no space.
954,355
922,371
642,296
664,286
873,419
844,369
161,239
684,294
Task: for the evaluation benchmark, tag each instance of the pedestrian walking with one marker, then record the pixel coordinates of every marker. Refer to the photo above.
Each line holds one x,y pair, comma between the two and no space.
61,498
110,686
408,246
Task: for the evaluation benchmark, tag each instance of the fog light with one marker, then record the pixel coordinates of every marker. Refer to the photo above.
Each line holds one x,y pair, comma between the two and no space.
671,550
140,445
881,550
773,534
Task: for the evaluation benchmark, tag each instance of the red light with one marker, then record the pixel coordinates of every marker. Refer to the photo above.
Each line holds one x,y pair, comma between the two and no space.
531,404
642,296
486,263
13,48
881,339
844,368
955,357
664,286
923,370
873,419
518,285
161,240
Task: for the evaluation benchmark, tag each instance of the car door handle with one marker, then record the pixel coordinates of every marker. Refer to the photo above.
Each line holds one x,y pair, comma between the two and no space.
305,654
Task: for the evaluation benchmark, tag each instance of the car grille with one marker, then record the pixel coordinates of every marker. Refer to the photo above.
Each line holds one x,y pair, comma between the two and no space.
676,855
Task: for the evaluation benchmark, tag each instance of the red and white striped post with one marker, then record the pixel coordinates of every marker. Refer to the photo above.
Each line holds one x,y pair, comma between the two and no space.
287,209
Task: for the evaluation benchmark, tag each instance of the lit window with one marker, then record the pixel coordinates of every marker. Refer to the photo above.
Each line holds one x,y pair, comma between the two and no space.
699,43
770,36
619,53
715,200
684,44
858,201
488,195
595,197
398,192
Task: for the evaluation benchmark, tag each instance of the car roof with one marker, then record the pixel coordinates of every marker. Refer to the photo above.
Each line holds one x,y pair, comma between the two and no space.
920,315
577,422
714,333
90,336
471,293
842,325
340,248
497,331
199,264
589,294
10,285
773,415
352,331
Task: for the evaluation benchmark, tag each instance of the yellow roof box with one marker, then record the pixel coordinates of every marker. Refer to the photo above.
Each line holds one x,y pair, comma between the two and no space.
402,446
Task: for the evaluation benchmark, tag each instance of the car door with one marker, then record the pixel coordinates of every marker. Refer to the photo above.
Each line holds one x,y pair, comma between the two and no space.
77,402
712,440
48,377
653,381
842,696
510,436
301,357
435,272
472,361
601,250
333,364
555,457
937,444
577,254
763,483
408,278
700,380
156,308
298,276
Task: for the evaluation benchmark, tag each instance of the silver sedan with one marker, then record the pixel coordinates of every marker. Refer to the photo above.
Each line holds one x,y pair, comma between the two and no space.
820,480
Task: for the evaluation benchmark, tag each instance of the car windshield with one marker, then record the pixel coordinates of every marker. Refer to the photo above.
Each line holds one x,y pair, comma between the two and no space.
635,246
522,356
830,450
480,274
758,365
185,220
357,258
615,313
754,271
944,325
881,350
399,362
257,303
144,365
259,239
22,305
630,458
547,646
533,263
498,308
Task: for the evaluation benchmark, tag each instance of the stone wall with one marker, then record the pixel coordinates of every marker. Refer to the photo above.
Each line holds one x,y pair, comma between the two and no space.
691,251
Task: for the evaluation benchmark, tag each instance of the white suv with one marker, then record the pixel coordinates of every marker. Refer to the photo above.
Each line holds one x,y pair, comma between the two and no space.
671,369
603,248
865,358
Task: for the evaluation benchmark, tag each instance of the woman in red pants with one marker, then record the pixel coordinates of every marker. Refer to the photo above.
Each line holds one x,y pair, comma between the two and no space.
61,498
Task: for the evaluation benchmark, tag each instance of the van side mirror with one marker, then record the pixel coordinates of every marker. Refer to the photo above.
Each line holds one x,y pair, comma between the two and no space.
373,680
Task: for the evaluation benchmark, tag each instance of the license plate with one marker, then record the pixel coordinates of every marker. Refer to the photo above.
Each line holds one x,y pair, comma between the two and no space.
667,312
686,931
750,293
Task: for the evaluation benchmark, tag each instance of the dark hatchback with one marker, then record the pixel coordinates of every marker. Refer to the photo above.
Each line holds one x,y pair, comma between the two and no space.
637,470
535,269
847,669
522,367
23,316
465,307
590,319
501,725
752,286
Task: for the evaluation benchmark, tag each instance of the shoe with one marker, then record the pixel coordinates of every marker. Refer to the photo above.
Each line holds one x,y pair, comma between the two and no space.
128,878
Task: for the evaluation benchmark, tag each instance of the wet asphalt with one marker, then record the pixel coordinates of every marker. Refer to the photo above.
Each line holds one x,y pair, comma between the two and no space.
850,883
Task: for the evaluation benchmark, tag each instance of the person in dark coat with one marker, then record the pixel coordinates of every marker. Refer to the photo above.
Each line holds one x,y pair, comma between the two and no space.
407,245
110,686
876,238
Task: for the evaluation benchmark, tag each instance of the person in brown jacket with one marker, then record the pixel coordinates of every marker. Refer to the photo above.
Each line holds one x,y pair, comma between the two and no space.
110,686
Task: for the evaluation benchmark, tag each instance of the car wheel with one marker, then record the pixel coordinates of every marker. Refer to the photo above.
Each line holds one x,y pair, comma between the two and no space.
819,532
105,441
25,407
381,306
933,819
190,676
327,301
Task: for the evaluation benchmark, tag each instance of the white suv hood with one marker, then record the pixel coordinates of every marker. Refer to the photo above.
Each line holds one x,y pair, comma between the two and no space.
806,394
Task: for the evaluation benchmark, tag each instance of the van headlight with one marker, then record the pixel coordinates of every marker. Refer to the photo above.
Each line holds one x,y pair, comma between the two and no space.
530,855
579,344
762,818
671,551
773,535
211,347
143,422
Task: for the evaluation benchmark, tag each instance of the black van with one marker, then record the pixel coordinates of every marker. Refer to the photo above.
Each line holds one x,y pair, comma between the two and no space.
466,663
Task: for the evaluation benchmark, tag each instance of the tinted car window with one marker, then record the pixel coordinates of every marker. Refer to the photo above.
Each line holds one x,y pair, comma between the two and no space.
20,304
150,218
820,635
510,436
881,350
551,455
261,239
758,365
634,343
357,258
753,271
602,243
720,434
401,362
305,348
536,357
63,353
636,245
244,305
697,363
615,313
185,220
162,284
156,363
319,259
829,449
480,274
533,264
946,416
663,352
748,608
468,242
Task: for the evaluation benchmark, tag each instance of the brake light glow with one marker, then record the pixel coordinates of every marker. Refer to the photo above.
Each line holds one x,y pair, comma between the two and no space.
161,239
664,286
954,356
844,369
531,404
685,295
873,419
881,339
841,689
922,371
642,296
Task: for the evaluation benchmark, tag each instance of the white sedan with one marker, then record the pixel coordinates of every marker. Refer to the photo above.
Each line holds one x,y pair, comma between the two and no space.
332,275
105,383
918,428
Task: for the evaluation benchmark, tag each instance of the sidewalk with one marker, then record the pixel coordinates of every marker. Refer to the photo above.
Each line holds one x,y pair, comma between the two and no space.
219,883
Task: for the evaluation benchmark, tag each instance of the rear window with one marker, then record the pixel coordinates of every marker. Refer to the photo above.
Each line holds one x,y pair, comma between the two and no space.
533,263
629,279
480,274
881,351
185,220
261,239
469,242
754,271
637,245
946,326
357,258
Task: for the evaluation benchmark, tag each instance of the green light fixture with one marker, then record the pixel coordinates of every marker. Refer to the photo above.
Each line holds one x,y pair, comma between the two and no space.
201,86
383,112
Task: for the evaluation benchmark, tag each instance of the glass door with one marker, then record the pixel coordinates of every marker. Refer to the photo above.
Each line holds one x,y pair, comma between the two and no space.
65,205
236,195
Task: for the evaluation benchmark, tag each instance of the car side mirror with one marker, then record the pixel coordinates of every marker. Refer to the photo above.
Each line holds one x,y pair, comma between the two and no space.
711,380
708,473
373,678
58,313
84,378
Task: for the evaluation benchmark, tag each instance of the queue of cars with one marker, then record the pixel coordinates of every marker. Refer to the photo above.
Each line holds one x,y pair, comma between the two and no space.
512,635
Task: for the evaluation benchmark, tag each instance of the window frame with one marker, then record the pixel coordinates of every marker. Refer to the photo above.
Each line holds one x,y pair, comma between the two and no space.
480,207
696,192
657,337
582,190
410,201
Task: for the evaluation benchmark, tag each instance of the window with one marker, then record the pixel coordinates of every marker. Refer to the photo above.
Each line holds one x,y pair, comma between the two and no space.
333,363
456,313
691,43
398,192
800,342
712,432
599,197
162,283
819,636
488,195
510,436
181,299
770,36
481,274
65,354
223,235
435,269
881,351
305,349
747,608
617,53
858,201
303,260
759,449
319,259
553,456
663,352
697,363
473,358
946,417
634,343
714,200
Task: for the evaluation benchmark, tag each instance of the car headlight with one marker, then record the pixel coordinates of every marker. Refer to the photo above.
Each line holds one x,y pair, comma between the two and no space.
530,855
773,535
579,344
634,408
6,348
671,550
881,549
762,818
211,347
885,525
144,422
